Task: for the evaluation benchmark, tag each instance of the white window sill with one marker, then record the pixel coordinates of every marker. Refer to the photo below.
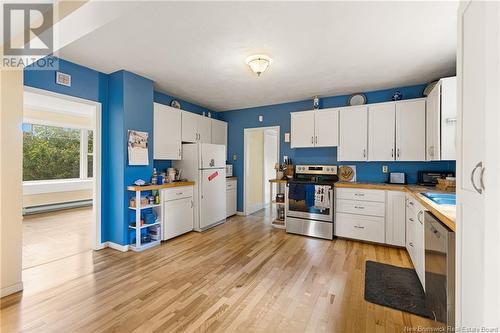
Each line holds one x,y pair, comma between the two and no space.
58,185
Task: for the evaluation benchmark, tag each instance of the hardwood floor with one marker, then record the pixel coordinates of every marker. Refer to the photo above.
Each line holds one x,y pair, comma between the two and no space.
52,236
242,276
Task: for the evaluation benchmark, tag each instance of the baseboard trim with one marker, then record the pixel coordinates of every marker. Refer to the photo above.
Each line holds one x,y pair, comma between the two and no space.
119,247
11,289
240,213
101,246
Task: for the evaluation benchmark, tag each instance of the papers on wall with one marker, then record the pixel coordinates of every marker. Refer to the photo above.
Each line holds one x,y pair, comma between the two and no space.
138,148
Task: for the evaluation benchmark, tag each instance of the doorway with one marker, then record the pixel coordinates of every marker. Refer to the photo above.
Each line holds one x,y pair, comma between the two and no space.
261,153
61,177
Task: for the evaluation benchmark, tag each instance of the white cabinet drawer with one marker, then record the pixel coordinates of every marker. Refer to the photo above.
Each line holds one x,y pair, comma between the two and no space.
177,193
360,194
361,207
231,184
368,228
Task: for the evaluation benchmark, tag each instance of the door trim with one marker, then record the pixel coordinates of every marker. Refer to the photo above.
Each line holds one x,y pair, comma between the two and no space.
246,209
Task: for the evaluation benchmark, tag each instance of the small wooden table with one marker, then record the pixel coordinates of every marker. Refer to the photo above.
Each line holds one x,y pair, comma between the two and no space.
280,183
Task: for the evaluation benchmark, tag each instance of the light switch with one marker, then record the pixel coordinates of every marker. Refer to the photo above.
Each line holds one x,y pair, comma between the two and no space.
235,157
261,119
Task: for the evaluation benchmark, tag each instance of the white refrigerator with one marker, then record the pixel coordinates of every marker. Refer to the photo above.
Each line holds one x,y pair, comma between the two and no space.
205,163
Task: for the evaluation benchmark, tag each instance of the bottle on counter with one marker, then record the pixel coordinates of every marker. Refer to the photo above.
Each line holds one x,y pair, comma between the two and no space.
154,178
157,197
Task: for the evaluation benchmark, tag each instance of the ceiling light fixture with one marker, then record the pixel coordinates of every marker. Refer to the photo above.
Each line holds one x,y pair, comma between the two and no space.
259,63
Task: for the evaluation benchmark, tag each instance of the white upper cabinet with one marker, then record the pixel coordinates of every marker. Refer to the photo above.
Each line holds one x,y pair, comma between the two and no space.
314,128
302,129
326,124
441,114
204,129
353,134
381,132
196,128
410,130
219,132
166,133
189,127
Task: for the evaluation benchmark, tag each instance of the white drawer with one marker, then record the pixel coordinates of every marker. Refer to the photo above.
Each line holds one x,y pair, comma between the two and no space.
368,228
231,184
360,194
361,207
177,193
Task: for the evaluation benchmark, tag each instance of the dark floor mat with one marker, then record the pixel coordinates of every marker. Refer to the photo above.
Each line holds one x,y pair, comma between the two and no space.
396,287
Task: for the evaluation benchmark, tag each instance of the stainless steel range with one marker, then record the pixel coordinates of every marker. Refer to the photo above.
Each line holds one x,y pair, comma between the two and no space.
309,201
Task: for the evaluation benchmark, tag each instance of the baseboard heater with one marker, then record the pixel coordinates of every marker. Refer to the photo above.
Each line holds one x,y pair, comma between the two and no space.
56,206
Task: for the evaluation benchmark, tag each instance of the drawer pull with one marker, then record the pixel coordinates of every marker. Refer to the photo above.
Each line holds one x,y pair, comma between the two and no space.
359,207
411,244
358,227
179,193
411,202
411,219
359,194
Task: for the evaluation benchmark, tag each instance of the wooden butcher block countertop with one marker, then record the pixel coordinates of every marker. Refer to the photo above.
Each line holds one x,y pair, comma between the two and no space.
445,213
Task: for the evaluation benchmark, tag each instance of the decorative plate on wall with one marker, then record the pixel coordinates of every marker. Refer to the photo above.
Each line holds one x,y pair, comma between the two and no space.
347,173
357,99
175,104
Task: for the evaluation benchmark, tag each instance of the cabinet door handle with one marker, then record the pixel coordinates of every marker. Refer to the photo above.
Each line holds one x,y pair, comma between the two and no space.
358,227
411,244
312,139
364,152
411,219
315,139
359,207
179,152
411,203
479,165
359,194
481,180
397,152
420,213
392,152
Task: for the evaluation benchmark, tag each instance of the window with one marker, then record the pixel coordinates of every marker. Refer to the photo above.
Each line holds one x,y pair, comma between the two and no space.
52,152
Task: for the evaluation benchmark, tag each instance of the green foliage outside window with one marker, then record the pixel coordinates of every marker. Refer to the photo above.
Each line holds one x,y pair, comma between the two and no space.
50,152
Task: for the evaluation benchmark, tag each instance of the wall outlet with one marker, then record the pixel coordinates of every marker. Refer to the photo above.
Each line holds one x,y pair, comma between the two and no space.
285,157
385,169
235,157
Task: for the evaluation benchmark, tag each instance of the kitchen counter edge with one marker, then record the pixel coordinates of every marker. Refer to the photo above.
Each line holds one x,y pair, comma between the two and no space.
158,187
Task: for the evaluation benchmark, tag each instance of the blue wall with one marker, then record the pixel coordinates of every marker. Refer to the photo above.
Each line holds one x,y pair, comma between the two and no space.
279,115
126,100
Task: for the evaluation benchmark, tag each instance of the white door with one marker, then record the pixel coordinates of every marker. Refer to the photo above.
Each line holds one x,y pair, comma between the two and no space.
189,127
178,217
219,132
478,239
212,156
395,226
353,134
381,132
204,125
326,128
230,202
166,133
212,197
449,118
433,124
302,129
410,130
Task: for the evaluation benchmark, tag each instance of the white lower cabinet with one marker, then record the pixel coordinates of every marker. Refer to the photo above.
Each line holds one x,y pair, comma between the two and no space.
360,214
178,212
363,227
231,196
395,219
415,235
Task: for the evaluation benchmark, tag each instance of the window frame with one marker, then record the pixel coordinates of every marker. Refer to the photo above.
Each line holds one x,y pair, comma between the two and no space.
84,154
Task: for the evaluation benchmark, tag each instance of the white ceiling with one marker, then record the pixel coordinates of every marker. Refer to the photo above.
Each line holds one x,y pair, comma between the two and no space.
197,50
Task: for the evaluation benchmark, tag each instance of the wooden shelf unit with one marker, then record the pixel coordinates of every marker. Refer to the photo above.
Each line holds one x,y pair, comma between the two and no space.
139,245
280,188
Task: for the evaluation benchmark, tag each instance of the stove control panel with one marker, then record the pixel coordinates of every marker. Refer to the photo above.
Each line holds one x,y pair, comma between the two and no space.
316,169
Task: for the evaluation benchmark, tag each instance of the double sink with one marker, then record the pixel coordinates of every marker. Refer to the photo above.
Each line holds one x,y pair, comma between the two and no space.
441,198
